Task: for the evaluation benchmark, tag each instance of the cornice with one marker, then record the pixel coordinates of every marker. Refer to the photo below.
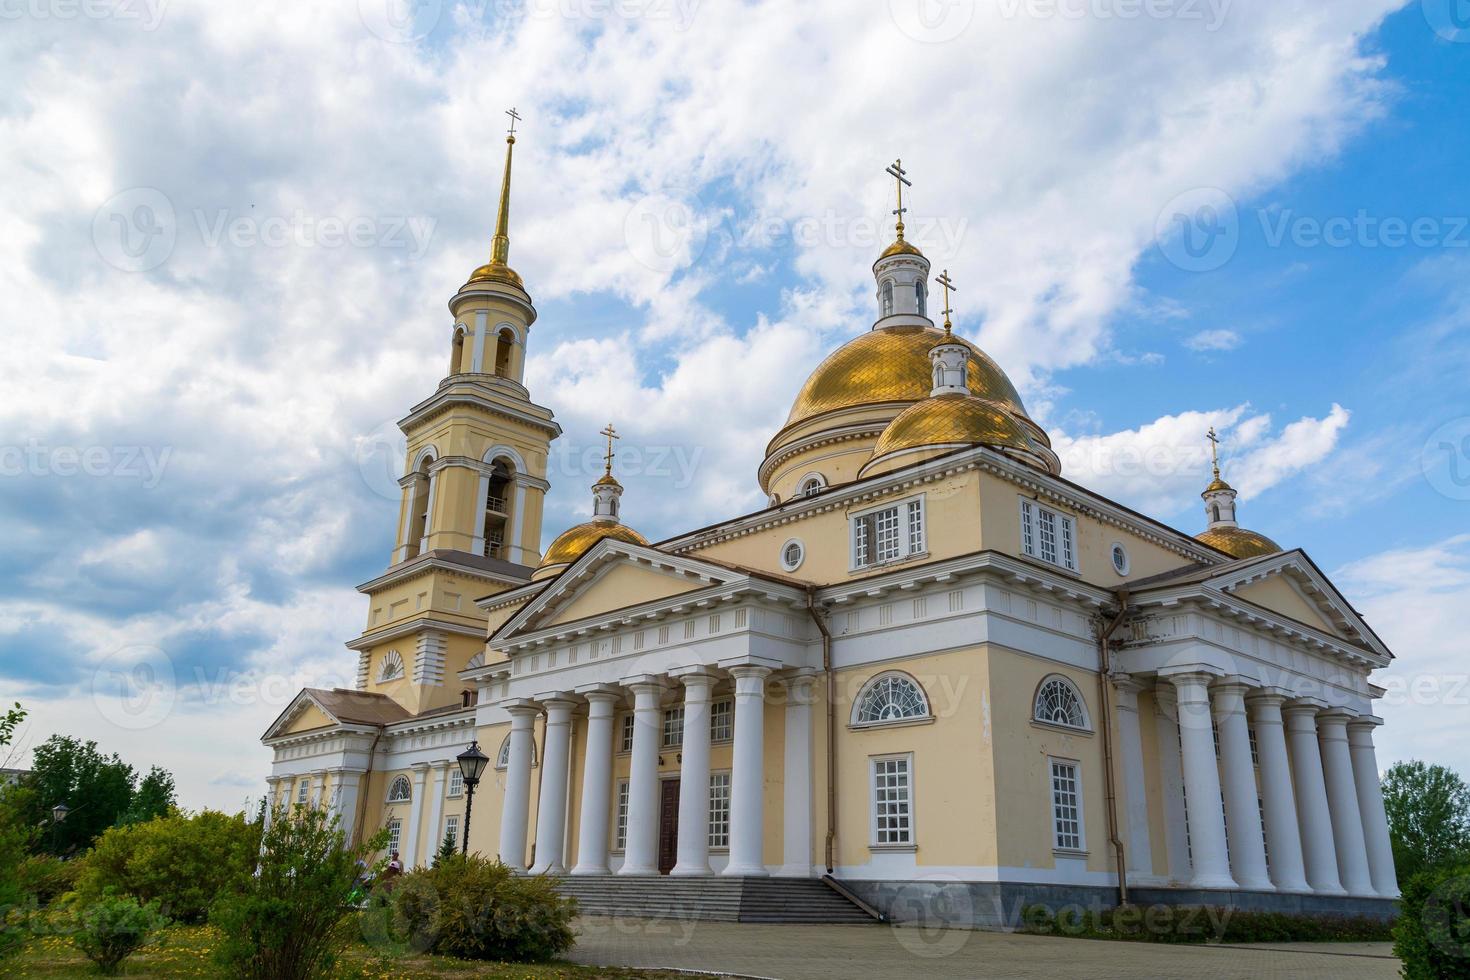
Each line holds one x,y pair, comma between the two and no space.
442,401
485,469
419,567
413,625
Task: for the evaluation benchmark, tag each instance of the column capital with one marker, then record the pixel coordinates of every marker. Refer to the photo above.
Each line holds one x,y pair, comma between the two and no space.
1128,683
642,683
1233,685
419,767
694,675
598,695
799,685
439,765
1333,722
743,671
1303,708
1268,697
1364,725
517,707
559,702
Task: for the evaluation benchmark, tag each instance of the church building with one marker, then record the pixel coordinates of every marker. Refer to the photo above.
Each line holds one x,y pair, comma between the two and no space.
932,671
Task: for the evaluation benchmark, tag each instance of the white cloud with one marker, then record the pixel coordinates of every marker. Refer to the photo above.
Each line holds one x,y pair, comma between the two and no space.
1213,340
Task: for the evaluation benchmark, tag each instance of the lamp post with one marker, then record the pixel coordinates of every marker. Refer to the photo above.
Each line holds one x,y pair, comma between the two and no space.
472,763
58,814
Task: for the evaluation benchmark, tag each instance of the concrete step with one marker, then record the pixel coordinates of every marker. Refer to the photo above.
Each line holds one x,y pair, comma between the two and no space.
769,900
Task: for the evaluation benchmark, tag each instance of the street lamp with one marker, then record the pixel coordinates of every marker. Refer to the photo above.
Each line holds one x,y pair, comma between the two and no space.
472,763
58,814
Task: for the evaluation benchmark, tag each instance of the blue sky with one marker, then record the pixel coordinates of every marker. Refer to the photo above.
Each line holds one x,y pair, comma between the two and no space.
198,433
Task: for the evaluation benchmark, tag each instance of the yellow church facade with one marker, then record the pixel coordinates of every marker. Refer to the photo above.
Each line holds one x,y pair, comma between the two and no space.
932,671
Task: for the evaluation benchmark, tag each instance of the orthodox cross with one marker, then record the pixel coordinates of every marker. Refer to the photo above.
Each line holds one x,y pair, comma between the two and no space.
1214,450
515,117
900,175
611,434
944,280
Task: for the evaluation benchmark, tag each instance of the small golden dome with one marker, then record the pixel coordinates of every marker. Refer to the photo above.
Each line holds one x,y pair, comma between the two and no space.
1237,542
892,365
496,272
1216,484
572,543
607,480
901,247
946,420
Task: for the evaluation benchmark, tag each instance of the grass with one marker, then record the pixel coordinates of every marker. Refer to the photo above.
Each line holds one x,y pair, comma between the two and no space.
185,952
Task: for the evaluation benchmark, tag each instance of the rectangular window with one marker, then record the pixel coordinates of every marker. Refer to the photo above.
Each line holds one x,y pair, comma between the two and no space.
673,727
456,781
1066,806
722,720
888,534
1255,749
451,829
893,814
394,828
719,809
625,741
620,826
301,790
1048,535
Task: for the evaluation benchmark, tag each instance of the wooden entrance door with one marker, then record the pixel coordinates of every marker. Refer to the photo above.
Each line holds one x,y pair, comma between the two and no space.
668,825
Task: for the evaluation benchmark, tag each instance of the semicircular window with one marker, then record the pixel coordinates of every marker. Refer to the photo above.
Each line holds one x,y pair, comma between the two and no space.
1058,703
890,697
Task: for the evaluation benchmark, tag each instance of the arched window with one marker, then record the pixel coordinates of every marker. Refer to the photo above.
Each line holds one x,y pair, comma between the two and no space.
506,341
921,297
1214,513
497,508
418,516
888,698
888,298
811,485
391,668
456,351
399,791
1058,703
502,758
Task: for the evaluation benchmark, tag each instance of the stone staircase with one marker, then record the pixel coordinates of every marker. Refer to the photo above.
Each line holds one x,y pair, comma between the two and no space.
715,899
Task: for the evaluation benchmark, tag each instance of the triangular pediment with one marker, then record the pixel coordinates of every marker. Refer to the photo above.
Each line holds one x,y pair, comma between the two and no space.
315,709
620,585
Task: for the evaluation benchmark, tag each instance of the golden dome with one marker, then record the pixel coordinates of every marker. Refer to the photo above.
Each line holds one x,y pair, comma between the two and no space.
1237,542
607,480
572,543
495,272
901,247
892,365
1217,484
946,420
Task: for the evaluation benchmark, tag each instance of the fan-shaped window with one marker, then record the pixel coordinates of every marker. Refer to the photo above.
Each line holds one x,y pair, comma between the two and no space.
391,668
889,698
1058,703
400,791
502,758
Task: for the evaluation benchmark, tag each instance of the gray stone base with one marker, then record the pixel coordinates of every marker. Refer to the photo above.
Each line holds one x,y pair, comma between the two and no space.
999,906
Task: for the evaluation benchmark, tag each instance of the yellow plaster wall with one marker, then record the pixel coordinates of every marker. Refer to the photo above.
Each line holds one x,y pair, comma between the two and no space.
622,586
1276,594
310,717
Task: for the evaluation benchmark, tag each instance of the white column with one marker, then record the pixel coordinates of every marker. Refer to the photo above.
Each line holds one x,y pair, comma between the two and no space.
1130,751
516,810
596,784
693,845
1172,779
318,787
747,778
640,851
477,353
271,791
1370,805
346,804
1242,804
1311,796
551,811
409,846
796,790
436,808
477,544
1342,798
1201,782
1283,829
514,552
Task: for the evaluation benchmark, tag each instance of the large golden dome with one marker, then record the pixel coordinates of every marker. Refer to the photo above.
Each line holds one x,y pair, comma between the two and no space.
947,420
892,365
1237,542
572,543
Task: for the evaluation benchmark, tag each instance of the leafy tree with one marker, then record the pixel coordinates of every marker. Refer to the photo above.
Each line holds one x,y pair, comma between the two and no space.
181,861
113,928
1432,933
1428,817
97,790
290,919
154,797
9,722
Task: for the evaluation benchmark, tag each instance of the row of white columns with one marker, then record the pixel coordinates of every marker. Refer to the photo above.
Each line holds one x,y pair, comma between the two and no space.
640,855
1323,816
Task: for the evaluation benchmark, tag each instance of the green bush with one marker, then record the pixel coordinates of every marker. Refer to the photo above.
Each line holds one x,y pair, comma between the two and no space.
1432,937
182,861
1201,924
13,895
290,919
115,927
473,908
44,878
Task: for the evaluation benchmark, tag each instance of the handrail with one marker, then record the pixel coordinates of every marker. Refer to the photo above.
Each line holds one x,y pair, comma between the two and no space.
852,897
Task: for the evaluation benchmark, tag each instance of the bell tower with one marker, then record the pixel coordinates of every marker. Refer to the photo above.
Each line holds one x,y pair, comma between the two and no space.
473,487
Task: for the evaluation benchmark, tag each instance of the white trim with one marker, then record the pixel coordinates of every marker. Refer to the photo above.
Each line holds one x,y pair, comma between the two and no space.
800,554
1064,545
820,480
1113,550
393,783
906,551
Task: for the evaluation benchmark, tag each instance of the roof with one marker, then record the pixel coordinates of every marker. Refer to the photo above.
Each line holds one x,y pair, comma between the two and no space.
358,707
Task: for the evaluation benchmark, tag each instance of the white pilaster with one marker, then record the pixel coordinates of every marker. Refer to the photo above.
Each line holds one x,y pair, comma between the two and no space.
270,800
1242,805
796,790
1130,751
1342,797
477,353
516,810
693,845
410,843
1201,781
551,811
592,828
1166,720
513,550
1370,805
318,788
440,772
345,803
1283,829
747,788
477,544
1311,796
640,851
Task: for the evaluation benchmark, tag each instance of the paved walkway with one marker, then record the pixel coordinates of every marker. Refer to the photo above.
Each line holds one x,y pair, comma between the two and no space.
802,952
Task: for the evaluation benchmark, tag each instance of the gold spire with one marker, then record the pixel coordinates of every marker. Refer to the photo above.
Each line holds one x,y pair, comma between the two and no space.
607,458
944,280
1216,483
900,177
499,266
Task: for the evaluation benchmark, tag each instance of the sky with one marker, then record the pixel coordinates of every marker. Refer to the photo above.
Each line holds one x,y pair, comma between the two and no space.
228,233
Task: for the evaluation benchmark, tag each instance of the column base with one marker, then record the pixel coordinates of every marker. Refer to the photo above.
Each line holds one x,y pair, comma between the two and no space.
691,871
1214,881
1263,885
589,869
549,869
746,871
650,871
1295,888
1328,890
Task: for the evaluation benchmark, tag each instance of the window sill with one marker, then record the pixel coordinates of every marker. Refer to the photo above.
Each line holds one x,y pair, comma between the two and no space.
879,565
864,726
1068,852
1050,726
894,848
1043,563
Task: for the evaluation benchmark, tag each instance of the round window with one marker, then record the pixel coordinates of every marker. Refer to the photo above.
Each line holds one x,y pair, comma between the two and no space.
1120,559
792,554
